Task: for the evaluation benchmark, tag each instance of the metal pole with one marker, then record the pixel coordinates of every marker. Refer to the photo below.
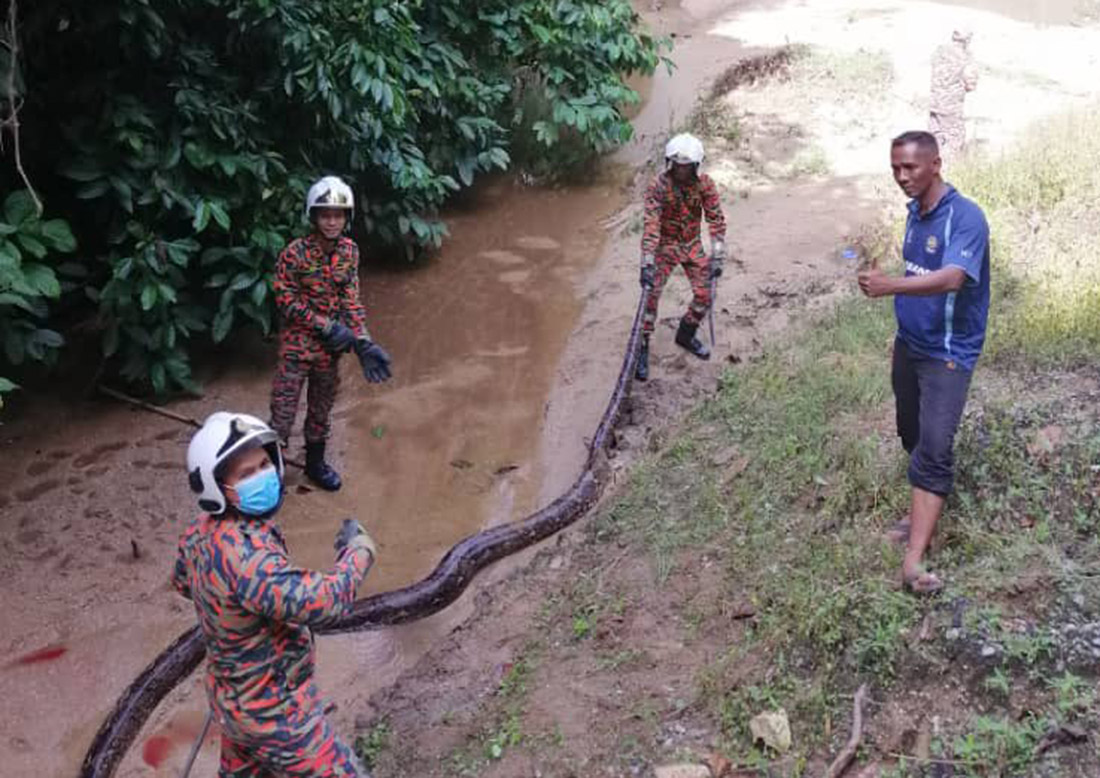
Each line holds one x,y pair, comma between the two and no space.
198,744
713,302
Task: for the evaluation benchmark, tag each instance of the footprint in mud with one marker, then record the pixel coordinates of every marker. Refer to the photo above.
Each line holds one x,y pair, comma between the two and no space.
33,492
139,464
40,468
537,243
99,452
29,537
167,435
59,455
504,257
5,501
96,472
166,466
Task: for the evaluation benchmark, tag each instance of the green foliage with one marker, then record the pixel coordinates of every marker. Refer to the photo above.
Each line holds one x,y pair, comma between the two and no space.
29,281
178,137
370,745
1041,198
996,746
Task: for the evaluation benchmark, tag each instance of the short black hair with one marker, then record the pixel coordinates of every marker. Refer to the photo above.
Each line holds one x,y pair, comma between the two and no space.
924,140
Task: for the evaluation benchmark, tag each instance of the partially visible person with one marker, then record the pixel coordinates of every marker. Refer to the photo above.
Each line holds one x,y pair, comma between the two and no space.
255,608
953,75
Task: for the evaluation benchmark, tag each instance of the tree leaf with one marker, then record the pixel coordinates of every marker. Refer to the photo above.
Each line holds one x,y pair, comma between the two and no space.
202,216
19,208
57,234
42,279
148,297
32,245
223,322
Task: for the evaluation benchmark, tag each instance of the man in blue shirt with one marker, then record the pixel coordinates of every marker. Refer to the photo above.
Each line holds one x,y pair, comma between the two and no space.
941,305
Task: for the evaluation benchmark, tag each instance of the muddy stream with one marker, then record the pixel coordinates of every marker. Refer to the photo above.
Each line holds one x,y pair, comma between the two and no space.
94,495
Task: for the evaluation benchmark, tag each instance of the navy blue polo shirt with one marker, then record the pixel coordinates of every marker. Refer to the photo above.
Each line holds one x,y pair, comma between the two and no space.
948,326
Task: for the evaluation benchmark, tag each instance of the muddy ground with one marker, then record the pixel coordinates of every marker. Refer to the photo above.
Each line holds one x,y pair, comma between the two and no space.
509,344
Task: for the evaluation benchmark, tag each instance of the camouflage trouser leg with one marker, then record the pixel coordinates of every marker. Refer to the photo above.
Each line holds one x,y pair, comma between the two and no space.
324,380
950,131
666,261
317,754
697,268
290,374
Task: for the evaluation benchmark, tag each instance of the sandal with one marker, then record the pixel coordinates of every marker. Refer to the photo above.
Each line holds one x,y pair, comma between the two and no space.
923,583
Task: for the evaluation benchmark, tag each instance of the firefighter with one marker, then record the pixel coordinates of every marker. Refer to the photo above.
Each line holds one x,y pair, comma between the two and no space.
675,204
321,317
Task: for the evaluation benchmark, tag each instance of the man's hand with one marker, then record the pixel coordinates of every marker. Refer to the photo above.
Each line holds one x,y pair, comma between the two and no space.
352,533
337,338
874,283
374,360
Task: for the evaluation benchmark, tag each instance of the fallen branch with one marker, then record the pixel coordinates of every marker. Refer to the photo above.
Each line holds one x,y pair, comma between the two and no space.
188,420
844,759
149,407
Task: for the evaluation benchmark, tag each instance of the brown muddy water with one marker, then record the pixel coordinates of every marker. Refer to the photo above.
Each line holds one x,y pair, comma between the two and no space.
437,454
93,498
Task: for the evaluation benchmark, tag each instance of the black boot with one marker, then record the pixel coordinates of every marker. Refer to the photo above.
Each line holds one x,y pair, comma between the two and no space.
641,368
685,338
318,470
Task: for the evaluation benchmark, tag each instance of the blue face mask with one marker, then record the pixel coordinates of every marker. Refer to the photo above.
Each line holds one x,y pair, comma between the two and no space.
260,493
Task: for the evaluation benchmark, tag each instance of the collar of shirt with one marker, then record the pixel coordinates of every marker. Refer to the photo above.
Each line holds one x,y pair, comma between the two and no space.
948,195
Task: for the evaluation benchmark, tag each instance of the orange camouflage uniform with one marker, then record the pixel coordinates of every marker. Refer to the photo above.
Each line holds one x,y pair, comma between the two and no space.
672,233
312,289
255,610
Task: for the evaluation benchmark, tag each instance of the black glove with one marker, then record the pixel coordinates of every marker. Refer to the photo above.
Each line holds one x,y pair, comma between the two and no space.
649,276
715,268
337,338
374,360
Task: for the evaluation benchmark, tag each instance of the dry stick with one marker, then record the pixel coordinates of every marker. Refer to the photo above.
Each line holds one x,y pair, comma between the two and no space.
13,118
840,764
170,415
149,407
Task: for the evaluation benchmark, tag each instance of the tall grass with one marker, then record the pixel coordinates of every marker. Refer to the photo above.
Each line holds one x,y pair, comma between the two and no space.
1043,203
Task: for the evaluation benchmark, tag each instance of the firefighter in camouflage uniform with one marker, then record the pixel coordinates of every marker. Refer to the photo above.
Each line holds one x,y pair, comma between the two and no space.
953,75
675,205
321,317
255,608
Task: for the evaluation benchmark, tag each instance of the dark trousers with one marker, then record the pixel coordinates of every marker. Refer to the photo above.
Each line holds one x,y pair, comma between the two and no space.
931,395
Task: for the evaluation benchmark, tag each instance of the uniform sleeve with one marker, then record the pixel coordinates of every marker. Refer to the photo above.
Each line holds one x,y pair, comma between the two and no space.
179,576
289,300
651,229
712,208
267,584
968,246
352,304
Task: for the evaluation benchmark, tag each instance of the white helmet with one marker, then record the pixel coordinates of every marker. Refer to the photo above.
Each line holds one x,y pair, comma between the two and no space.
329,192
684,149
223,435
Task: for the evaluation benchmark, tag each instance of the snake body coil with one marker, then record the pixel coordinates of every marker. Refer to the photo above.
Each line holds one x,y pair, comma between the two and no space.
432,594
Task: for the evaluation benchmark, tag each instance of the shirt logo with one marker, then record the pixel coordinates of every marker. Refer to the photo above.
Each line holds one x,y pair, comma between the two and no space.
931,244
